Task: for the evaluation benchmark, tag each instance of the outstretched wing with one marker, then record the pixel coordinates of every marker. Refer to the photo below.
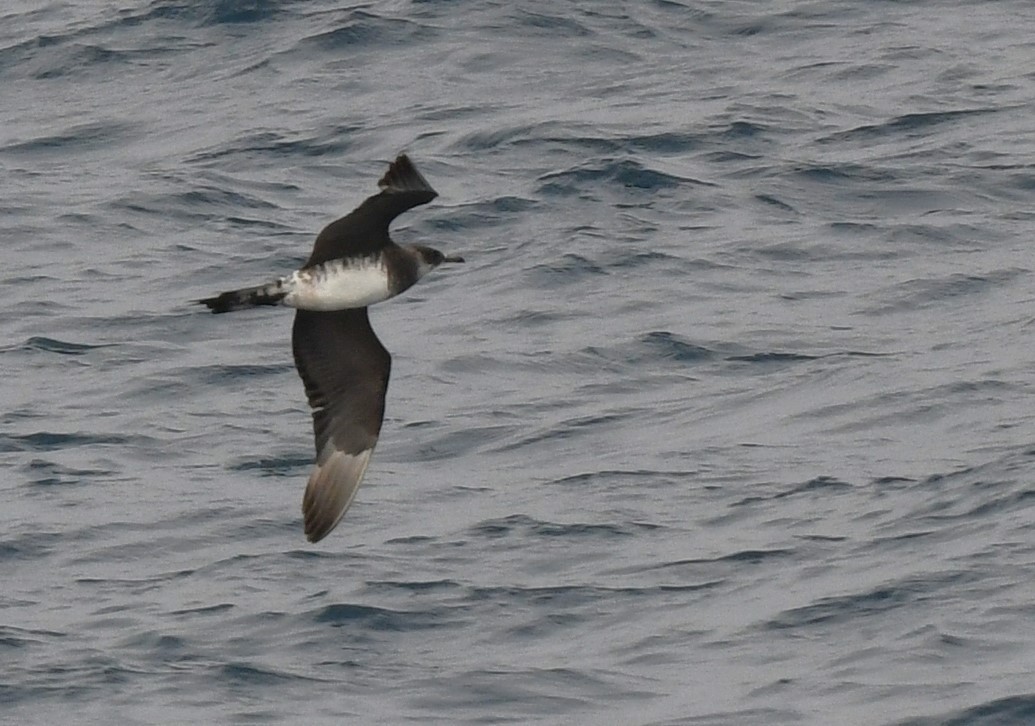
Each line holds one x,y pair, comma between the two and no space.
365,229
345,371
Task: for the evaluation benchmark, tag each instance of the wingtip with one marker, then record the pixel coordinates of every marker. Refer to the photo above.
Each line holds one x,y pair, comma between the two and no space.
314,537
402,176
332,487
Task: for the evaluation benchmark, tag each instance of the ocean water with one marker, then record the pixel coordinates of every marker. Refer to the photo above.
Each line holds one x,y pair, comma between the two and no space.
728,419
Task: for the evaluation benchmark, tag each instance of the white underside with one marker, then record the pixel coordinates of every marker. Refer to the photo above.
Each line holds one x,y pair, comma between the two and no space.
337,286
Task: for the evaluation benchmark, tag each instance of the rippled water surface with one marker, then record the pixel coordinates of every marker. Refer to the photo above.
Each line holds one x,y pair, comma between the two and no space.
728,419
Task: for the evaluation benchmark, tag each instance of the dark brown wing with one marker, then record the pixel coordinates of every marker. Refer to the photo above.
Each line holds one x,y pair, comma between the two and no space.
365,229
345,371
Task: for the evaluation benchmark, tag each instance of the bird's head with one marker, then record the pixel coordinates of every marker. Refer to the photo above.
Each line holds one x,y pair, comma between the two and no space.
428,259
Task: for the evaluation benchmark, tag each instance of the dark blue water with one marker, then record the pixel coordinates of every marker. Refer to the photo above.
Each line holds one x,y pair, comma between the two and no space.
728,419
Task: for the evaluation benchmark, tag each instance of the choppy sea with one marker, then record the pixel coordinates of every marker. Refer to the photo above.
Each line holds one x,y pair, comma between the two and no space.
728,419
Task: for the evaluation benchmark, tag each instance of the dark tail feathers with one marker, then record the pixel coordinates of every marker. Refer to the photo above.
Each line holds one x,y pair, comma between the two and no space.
249,297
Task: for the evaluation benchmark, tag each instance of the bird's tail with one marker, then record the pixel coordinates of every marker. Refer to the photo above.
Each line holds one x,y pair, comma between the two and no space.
249,297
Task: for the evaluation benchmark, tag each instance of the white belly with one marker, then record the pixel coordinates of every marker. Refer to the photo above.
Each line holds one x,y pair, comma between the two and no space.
335,286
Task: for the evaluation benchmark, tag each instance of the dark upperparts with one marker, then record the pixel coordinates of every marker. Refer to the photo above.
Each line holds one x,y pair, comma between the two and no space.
344,369
365,229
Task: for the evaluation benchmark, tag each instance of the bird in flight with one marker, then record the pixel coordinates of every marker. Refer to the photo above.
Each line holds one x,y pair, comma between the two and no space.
343,366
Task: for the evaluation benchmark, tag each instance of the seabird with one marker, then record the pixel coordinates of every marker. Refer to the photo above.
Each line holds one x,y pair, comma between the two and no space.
342,364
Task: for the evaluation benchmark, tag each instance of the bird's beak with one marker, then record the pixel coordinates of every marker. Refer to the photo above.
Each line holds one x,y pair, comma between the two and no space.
453,258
